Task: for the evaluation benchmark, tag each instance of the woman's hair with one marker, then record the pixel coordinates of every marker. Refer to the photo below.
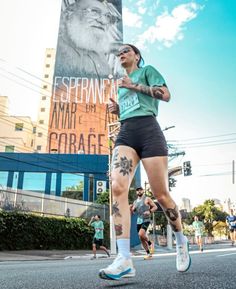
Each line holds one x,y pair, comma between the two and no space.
136,51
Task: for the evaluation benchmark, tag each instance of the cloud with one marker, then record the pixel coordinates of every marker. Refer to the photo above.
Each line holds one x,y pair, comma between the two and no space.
131,19
169,27
141,6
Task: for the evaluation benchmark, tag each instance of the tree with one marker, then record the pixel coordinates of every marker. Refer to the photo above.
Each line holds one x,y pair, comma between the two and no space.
103,198
74,192
208,213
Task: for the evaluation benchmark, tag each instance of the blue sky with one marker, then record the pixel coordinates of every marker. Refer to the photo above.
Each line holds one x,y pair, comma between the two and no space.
192,43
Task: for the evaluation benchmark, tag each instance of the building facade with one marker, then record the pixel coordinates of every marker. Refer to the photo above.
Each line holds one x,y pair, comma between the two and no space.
41,137
54,174
17,133
186,205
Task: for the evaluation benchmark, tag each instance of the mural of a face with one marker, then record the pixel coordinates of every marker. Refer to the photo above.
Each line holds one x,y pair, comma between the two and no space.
87,26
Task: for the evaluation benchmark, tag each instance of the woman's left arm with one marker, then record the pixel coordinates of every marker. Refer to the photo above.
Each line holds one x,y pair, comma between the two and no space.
157,92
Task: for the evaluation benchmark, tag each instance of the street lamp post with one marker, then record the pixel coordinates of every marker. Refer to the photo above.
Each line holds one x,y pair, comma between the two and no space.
113,129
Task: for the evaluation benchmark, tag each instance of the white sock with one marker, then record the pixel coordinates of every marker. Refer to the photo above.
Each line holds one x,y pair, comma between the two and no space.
124,247
180,238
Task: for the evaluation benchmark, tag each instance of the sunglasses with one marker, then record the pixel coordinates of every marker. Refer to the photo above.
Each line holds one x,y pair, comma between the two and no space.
123,51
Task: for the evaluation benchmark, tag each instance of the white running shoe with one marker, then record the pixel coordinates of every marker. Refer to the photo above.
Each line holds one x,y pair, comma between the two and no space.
183,260
120,268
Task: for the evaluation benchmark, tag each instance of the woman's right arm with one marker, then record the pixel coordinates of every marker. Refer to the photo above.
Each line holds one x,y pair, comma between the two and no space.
113,107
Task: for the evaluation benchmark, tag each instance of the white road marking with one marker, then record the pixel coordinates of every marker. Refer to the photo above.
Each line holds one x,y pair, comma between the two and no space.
226,255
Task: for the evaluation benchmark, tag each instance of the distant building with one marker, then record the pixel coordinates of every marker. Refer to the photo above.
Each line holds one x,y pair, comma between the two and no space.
186,205
228,205
17,133
41,138
218,204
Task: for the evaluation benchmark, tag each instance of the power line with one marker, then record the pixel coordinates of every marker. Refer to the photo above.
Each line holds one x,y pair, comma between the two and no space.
209,145
190,139
47,137
42,80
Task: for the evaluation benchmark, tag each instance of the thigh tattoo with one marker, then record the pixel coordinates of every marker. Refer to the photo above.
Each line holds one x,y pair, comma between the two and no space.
123,163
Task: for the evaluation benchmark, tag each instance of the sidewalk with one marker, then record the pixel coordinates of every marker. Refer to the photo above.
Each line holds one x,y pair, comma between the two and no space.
37,255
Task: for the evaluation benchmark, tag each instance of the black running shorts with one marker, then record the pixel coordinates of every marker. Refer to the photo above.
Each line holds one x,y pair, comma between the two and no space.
144,135
144,226
98,242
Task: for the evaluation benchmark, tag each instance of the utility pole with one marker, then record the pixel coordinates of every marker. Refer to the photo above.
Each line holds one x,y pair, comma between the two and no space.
113,129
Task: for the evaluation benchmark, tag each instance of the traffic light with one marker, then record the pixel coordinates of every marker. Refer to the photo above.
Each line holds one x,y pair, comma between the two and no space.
172,182
187,168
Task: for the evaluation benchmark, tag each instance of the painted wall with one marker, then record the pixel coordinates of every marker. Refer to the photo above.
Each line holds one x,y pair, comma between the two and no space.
85,76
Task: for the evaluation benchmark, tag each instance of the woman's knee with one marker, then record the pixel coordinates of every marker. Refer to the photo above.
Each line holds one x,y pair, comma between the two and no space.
163,197
118,189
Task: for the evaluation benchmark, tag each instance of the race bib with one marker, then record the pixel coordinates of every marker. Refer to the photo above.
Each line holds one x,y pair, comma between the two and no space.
129,102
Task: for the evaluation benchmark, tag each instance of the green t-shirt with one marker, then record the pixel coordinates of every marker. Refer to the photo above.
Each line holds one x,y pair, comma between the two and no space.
198,227
99,227
133,104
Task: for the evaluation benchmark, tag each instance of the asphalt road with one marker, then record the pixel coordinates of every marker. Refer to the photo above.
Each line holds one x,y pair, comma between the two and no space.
209,270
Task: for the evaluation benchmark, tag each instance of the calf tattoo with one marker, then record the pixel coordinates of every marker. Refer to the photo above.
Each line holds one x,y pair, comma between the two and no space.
172,214
115,210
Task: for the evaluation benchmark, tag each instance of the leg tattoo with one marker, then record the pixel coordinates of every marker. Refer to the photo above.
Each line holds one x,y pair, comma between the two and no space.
118,229
115,210
172,216
125,165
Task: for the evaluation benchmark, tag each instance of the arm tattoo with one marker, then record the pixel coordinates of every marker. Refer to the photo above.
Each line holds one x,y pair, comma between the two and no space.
153,91
115,210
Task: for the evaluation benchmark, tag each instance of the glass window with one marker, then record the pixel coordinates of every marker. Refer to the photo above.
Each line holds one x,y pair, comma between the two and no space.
72,186
9,149
3,179
49,55
47,65
39,148
34,182
15,180
41,121
53,184
44,97
40,134
91,186
46,75
34,129
45,87
19,126
42,109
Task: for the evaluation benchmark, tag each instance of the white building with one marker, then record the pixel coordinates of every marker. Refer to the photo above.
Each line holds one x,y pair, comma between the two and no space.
41,138
228,205
17,133
186,205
